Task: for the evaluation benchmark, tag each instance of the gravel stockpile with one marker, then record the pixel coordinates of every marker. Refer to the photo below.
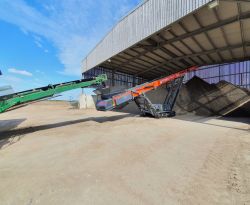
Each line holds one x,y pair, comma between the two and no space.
201,98
206,99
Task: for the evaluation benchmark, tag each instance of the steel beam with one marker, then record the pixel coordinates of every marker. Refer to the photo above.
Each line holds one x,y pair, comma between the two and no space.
223,31
216,25
196,54
187,46
207,36
241,30
176,48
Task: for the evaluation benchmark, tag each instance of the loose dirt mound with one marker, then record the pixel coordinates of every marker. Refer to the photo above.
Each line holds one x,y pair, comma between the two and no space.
202,98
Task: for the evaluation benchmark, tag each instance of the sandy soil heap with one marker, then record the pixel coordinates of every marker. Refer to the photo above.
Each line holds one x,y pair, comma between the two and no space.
206,99
201,98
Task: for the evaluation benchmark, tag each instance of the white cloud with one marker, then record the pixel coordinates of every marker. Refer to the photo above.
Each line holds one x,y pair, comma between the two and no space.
39,72
20,83
24,31
20,72
9,79
38,44
74,26
13,81
38,41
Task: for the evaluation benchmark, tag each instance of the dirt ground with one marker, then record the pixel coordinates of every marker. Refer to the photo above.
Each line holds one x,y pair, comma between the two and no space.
53,154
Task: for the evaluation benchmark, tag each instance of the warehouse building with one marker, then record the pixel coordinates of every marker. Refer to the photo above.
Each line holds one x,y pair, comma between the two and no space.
161,37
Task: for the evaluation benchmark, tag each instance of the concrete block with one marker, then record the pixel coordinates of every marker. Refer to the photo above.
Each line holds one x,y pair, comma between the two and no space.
87,101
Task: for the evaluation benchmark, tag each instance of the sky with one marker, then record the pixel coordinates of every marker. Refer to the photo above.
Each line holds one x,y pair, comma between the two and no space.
43,41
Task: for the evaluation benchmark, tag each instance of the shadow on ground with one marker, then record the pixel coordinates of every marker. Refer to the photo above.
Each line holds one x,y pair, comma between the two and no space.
6,125
5,136
205,120
10,124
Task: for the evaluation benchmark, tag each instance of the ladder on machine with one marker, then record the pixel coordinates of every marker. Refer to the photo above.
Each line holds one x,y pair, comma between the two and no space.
146,107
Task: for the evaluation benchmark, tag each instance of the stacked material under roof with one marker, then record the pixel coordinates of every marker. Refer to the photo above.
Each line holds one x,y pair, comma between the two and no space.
221,99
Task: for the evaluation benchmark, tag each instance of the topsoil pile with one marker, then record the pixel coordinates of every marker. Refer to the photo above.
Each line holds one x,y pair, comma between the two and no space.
201,98
206,99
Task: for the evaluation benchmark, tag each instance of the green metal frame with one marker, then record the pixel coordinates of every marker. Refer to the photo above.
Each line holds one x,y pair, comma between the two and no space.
9,101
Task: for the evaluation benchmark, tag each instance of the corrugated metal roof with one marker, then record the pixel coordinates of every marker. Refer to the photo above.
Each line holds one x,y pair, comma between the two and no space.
147,19
211,34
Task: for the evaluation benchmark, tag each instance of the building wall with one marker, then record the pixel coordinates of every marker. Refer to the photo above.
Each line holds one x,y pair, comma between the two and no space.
115,78
235,73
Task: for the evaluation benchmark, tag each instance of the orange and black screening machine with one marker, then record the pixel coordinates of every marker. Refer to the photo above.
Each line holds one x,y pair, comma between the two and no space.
138,95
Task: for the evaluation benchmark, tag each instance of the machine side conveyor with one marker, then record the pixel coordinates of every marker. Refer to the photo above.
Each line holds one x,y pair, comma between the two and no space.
15,99
123,98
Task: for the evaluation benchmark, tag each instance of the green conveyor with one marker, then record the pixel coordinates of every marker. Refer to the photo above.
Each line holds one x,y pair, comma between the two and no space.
15,99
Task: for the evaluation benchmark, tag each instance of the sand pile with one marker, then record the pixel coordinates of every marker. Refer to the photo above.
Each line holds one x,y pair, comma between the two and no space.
201,98
206,99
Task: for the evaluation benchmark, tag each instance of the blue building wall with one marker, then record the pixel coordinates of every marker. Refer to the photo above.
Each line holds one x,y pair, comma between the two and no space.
235,73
